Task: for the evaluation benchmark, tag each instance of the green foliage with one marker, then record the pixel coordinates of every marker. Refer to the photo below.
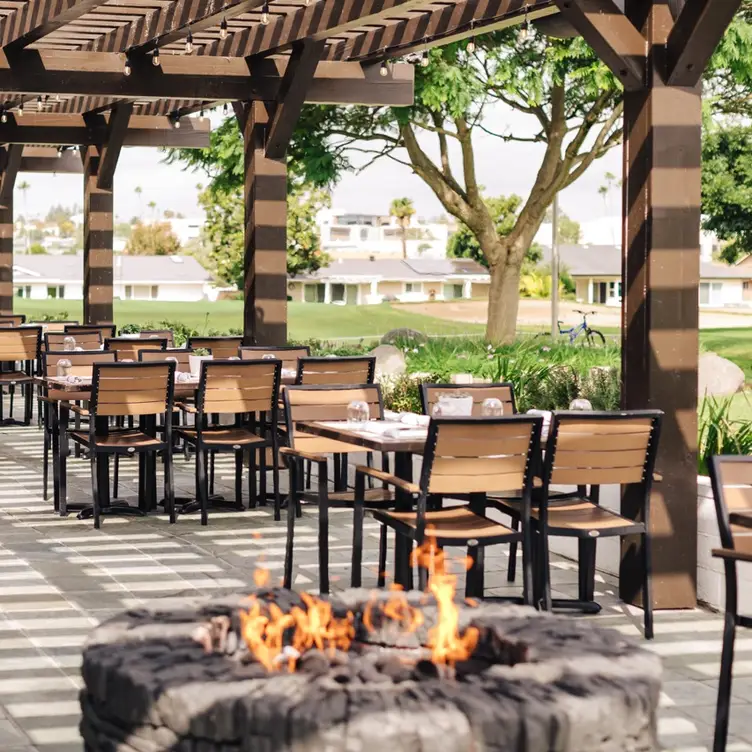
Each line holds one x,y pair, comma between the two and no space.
37,249
568,230
155,239
720,433
58,316
402,393
125,229
59,213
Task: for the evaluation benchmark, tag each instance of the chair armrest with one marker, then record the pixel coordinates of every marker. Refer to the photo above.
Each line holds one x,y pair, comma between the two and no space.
730,553
319,459
78,409
185,407
389,479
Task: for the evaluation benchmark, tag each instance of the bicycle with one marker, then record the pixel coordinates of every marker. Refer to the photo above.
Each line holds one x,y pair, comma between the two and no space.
592,336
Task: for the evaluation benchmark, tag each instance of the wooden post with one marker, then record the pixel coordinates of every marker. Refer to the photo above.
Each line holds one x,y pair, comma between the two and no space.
265,254
6,254
660,282
98,234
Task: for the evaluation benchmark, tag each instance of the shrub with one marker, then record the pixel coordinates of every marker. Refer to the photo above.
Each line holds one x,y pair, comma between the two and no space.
402,393
719,433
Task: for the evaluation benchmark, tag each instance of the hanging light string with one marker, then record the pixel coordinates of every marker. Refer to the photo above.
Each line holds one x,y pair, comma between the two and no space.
524,33
471,43
265,13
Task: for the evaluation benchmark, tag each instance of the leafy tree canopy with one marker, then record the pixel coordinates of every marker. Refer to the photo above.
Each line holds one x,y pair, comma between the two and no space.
155,239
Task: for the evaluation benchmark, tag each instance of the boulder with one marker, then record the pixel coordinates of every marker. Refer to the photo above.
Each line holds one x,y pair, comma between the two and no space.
390,360
718,376
396,336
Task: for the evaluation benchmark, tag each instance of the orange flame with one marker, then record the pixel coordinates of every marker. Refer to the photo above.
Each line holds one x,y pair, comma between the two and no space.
261,577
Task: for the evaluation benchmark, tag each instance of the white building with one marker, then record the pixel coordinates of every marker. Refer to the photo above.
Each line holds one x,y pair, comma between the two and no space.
596,271
361,235
369,282
163,278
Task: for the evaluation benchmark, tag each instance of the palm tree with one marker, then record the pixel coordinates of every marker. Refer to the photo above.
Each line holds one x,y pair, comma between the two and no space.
24,186
138,191
402,210
153,206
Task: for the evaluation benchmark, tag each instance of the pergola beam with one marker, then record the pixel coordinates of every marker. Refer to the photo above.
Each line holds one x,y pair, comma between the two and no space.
11,165
612,35
48,159
117,130
100,74
292,93
694,37
35,21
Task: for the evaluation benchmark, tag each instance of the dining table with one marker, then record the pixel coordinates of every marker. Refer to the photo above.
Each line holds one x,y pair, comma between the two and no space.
404,441
78,389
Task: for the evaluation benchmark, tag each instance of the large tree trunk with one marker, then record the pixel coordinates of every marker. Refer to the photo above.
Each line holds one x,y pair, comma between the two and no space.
503,302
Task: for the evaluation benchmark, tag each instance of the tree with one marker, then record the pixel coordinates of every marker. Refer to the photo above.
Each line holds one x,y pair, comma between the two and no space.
153,206
37,249
66,228
568,230
59,213
138,190
155,239
402,210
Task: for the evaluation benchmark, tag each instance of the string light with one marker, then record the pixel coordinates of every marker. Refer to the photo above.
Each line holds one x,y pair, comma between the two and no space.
20,110
224,108
189,43
265,14
307,3
223,29
4,116
127,69
155,61
60,150
471,45
384,69
57,97
176,122
424,59
40,105
524,31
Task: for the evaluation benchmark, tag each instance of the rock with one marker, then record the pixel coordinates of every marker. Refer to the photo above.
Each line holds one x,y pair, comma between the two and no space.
403,335
718,376
390,361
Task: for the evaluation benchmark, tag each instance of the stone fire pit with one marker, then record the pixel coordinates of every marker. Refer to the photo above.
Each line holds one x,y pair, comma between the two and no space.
535,683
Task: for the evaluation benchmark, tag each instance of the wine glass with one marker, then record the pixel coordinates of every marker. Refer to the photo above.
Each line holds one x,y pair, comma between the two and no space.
358,413
492,407
69,343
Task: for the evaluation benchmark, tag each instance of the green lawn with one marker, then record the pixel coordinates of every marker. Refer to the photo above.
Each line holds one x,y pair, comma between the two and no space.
307,321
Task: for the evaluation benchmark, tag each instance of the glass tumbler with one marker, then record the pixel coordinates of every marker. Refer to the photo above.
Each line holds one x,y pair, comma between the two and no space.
358,413
492,407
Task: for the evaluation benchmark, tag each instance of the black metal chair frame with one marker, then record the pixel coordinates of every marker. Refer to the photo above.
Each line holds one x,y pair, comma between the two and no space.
99,452
85,328
303,362
29,368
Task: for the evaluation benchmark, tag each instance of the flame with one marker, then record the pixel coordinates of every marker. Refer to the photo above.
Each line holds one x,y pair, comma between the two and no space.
261,577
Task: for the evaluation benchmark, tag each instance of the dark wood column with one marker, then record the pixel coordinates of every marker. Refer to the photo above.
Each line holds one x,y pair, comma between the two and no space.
265,287
98,235
6,254
660,278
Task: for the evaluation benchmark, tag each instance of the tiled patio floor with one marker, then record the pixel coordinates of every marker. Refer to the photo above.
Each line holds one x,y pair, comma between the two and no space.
59,577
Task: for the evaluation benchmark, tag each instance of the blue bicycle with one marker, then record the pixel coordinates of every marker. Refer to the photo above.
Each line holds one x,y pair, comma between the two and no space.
593,337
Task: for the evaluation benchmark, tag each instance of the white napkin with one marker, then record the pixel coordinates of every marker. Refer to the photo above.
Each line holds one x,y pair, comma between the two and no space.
546,415
458,407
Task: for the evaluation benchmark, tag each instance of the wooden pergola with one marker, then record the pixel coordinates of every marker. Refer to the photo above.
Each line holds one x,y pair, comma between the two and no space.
101,74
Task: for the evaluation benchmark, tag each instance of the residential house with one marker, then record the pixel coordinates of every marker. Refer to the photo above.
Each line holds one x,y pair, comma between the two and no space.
163,278
371,281
596,271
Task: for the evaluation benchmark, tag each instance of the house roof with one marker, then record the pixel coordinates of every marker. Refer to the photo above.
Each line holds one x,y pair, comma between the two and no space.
28,269
398,269
605,261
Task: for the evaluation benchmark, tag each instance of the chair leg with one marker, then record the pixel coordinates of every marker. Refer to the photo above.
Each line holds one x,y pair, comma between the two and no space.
239,479
474,585
295,467
169,483
512,566
356,574
211,473
262,476
323,544
647,588
586,569
727,662
252,498
381,582
116,476
95,488
544,572
201,484
275,480
46,460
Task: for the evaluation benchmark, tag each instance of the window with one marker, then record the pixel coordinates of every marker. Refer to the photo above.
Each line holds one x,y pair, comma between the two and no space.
410,287
309,293
56,291
340,233
128,292
154,292
364,233
338,293
23,291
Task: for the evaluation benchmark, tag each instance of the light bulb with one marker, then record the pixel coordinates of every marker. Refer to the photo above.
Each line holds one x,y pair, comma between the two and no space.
189,43
127,69
20,110
265,14
176,123
39,104
60,152
307,3
424,59
384,70
223,29
471,45
523,33
224,108
57,97
4,117
155,61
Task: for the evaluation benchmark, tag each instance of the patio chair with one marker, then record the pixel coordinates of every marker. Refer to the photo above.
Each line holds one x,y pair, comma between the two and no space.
244,389
468,456
54,326
731,480
503,391
105,330
82,364
54,341
158,334
595,449
139,390
19,357
128,348
322,402
12,320
221,348
180,354
289,355
349,370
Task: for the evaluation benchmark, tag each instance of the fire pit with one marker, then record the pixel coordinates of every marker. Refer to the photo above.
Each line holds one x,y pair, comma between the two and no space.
277,671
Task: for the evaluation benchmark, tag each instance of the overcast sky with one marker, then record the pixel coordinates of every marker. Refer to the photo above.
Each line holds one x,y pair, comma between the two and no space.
503,168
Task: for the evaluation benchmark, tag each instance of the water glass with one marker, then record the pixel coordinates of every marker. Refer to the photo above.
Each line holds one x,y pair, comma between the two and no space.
69,343
63,368
358,413
268,356
580,404
492,407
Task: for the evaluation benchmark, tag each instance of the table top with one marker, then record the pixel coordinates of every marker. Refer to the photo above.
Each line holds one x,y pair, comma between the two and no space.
400,437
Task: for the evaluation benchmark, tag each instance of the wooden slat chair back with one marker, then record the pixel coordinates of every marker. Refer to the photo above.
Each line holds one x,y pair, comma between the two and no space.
20,343
503,391
158,334
731,478
82,364
127,348
131,389
221,348
54,326
468,455
105,330
317,403
238,386
12,320
180,354
349,371
594,449
288,355
85,340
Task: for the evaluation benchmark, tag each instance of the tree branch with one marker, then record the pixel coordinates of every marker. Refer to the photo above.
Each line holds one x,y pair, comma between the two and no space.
468,160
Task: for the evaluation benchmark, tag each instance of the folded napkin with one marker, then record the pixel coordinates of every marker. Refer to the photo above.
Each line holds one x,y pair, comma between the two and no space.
456,407
408,419
546,415
398,431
